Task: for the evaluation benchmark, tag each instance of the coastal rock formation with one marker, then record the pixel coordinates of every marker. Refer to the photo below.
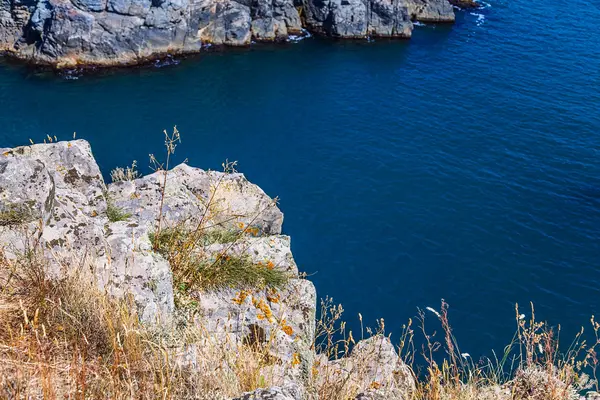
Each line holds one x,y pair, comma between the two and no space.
430,11
465,3
53,198
68,33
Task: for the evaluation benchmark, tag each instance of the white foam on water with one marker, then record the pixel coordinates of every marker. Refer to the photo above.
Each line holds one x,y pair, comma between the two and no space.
296,38
166,62
418,23
480,18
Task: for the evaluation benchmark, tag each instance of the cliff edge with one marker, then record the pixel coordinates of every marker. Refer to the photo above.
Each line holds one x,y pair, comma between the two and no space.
190,248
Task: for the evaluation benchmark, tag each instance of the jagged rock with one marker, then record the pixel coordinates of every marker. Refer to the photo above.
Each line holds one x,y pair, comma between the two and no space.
388,19
115,32
67,33
137,8
281,321
64,192
274,250
374,368
274,20
232,200
26,191
228,23
431,10
359,18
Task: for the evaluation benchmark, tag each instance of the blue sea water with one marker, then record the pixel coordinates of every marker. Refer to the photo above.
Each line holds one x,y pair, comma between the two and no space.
463,164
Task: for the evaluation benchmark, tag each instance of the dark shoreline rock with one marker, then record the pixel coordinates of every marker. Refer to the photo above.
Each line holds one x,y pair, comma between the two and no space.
465,4
103,33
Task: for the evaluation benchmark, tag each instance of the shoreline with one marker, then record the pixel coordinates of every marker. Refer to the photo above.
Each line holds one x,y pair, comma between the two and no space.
128,48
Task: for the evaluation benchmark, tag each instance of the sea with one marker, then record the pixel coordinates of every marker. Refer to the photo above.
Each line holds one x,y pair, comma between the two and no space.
462,165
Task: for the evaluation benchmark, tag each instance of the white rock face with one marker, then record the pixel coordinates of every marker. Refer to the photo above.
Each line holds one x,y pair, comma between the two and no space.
373,368
61,185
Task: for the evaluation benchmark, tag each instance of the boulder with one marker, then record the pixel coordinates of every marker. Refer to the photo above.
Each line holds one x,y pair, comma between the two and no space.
373,368
430,10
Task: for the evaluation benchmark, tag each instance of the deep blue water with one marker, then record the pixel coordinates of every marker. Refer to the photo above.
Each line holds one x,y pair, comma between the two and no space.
463,164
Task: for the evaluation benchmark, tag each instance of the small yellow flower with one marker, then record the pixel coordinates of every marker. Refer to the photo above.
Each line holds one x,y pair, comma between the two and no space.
273,296
295,359
241,297
241,225
270,265
287,330
266,311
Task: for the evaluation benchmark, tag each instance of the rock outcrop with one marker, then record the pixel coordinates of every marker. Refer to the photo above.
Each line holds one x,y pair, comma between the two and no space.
53,197
69,33
465,3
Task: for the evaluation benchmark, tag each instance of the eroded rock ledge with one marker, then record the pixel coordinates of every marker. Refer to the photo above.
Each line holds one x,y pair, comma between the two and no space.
68,33
54,196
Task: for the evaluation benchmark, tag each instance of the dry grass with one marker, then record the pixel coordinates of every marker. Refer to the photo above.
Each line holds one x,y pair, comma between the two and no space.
532,367
196,269
63,338
66,339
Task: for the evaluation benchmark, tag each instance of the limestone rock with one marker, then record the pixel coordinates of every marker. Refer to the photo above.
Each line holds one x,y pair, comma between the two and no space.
374,368
56,194
63,191
232,201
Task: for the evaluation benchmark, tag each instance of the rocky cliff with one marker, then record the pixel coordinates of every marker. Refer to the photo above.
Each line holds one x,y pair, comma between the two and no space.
53,197
67,33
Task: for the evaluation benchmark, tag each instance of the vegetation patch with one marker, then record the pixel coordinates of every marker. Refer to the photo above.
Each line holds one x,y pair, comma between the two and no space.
121,174
15,214
196,268
115,213
238,272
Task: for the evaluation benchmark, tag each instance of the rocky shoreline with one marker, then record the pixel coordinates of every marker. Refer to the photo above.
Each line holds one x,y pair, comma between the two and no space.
100,33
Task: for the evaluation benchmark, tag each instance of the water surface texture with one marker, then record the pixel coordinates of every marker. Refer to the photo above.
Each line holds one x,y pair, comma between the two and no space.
463,164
